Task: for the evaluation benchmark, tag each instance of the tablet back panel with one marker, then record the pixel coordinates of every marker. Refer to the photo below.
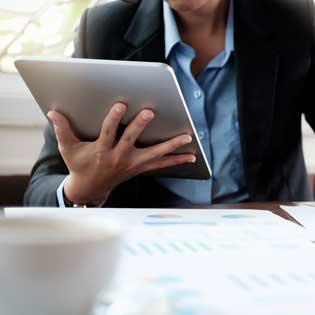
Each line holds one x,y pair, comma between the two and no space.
84,91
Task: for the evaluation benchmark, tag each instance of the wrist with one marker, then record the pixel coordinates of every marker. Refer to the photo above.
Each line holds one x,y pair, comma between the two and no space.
75,195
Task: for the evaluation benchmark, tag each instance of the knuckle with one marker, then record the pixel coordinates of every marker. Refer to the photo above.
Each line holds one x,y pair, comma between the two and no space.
101,155
61,133
108,132
180,160
172,161
118,163
129,138
58,130
99,158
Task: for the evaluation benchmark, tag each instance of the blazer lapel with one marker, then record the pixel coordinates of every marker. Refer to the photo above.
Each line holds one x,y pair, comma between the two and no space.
257,69
145,35
152,50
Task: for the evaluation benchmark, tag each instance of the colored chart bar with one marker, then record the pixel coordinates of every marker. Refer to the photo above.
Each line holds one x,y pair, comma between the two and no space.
164,216
238,216
179,223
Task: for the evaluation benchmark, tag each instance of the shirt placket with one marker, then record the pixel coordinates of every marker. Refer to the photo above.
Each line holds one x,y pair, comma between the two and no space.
195,98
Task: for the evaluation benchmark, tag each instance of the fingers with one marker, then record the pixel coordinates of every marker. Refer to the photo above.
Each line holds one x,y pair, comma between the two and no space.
159,150
168,161
134,130
65,135
110,125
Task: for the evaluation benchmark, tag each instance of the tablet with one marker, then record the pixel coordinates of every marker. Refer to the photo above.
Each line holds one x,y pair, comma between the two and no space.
84,90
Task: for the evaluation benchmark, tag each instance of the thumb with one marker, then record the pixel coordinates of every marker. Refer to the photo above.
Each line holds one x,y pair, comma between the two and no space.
64,133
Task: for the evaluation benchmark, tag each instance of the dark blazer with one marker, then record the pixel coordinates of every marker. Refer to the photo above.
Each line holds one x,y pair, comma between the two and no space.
274,53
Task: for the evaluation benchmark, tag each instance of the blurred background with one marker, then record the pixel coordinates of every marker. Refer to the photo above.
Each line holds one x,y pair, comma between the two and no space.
29,27
44,27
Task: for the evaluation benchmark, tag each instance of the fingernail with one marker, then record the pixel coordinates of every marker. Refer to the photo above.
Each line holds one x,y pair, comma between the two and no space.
186,139
120,108
192,160
147,115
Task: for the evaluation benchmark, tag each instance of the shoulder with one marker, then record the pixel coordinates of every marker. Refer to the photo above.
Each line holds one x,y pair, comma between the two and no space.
116,14
102,29
113,10
291,17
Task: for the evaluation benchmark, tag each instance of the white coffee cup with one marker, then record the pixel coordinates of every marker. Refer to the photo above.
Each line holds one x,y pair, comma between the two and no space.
55,266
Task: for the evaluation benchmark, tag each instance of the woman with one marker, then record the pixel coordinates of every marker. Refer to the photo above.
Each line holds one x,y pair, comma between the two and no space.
246,83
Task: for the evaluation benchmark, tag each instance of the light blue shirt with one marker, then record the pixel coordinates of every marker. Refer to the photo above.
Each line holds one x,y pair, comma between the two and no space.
211,99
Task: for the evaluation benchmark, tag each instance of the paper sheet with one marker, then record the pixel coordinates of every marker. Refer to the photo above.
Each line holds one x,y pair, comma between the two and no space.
162,217
225,270
305,215
223,262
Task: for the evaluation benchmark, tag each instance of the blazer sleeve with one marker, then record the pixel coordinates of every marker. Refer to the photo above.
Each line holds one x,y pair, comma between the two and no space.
309,94
50,170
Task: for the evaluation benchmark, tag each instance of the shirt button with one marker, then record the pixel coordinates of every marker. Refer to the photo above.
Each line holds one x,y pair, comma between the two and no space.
236,125
197,94
201,135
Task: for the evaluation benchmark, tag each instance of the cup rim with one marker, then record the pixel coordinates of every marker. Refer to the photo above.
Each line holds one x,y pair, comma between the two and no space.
94,229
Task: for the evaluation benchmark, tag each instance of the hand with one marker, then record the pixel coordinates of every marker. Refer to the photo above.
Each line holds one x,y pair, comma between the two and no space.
97,167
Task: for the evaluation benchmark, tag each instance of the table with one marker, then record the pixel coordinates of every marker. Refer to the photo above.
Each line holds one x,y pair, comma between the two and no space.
271,206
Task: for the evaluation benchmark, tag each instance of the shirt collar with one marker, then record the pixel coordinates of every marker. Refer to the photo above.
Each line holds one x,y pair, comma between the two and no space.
172,36
171,31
